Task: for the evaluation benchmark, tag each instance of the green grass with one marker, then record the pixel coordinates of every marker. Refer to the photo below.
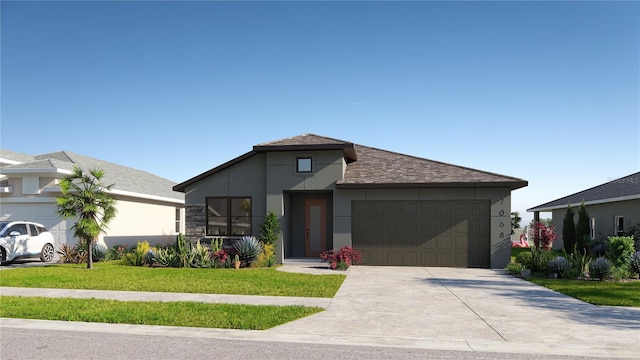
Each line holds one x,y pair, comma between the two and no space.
225,316
596,292
115,276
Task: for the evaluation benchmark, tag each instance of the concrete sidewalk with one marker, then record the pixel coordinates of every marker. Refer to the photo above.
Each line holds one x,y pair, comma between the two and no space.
429,308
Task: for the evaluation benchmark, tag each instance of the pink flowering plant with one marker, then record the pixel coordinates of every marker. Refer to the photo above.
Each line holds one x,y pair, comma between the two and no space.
341,259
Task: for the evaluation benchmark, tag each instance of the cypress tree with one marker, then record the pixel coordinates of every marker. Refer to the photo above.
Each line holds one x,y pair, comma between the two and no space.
569,231
582,229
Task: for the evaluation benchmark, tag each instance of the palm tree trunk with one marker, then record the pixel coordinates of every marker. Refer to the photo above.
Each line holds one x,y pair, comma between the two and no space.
90,254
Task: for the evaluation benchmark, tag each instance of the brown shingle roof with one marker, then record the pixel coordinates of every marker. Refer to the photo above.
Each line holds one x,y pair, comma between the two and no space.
374,168
381,168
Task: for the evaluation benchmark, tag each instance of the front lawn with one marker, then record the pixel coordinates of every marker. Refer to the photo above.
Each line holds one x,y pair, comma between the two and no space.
192,314
596,292
115,276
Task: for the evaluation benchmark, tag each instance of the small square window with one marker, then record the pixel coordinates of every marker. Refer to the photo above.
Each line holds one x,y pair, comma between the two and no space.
303,165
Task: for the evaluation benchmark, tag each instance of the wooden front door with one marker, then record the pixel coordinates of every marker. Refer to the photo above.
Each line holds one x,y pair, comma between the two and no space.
315,227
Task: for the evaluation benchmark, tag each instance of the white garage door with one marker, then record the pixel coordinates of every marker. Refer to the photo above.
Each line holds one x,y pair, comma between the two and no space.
43,213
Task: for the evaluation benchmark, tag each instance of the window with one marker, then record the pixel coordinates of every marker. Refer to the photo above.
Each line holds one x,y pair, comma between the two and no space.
30,185
21,228
592,228
228,216
303,164
618,228
34,230
178,222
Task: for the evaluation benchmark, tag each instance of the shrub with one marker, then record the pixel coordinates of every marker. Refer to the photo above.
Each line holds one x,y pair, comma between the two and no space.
634,232
540,259
619,250
270,229
268,256
525,258
635,262
582,229
341,259
248,248
116,253
167,257
199,256
543,235
69,254
599,268
569,230
558,265
578,261
219,258
514,268
138,256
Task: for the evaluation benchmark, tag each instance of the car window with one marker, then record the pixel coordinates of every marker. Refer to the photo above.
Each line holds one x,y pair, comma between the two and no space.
2,225
34,230
21,228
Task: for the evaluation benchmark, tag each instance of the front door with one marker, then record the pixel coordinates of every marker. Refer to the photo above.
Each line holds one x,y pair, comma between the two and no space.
315,227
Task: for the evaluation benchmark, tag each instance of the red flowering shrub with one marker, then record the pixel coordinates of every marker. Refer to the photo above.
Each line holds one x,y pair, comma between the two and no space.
341,259
543,236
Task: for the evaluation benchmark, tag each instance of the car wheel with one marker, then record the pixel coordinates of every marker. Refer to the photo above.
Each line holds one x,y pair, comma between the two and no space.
3,256
47,253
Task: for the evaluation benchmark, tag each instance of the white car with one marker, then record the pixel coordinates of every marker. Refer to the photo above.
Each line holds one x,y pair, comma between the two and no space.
25,239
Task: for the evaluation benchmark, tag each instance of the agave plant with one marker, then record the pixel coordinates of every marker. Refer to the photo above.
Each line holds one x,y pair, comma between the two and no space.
635,262
558,265
248,248
599,268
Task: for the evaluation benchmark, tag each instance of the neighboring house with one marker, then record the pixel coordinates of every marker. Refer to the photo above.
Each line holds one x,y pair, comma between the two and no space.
613,208
395,209
148,208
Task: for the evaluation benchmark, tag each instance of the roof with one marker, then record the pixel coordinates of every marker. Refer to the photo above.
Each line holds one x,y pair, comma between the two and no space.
381,168
12,157
369,167
126,181
624,188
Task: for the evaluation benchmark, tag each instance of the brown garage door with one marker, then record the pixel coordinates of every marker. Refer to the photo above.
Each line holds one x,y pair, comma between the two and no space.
422,233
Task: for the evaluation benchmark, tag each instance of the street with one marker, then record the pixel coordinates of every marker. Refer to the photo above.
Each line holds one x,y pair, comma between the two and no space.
40,344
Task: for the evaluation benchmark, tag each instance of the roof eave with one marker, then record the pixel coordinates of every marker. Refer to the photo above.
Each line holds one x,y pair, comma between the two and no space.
512,185
347,148
592,202
34,171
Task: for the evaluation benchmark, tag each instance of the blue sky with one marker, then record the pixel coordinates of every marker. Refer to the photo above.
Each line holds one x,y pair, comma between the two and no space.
544,91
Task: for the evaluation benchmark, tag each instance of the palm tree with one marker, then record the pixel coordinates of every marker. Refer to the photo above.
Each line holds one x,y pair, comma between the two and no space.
85,197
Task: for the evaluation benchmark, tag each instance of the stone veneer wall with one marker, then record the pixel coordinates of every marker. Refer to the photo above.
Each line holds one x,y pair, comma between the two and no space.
196,222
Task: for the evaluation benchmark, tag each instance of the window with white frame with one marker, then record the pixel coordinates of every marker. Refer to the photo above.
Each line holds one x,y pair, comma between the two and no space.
30,185
592,228
618,227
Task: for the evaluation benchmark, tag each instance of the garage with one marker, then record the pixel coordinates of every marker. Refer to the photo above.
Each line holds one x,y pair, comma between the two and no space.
43,213
422,233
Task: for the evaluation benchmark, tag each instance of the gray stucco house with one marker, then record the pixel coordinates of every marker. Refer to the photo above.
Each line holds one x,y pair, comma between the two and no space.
395,209
613,208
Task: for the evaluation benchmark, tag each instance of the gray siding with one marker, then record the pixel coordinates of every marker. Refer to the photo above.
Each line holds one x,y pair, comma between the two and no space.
605,216
245,178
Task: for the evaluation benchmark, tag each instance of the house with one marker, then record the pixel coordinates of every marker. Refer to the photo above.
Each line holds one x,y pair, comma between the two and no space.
148,208
395,209
613,208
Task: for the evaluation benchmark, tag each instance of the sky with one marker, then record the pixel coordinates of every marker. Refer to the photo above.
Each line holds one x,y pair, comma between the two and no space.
544,91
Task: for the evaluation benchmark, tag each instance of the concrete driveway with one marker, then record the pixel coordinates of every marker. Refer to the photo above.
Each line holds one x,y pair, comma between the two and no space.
477,309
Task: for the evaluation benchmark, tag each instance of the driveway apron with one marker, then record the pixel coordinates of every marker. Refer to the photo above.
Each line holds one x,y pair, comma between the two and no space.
480,306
